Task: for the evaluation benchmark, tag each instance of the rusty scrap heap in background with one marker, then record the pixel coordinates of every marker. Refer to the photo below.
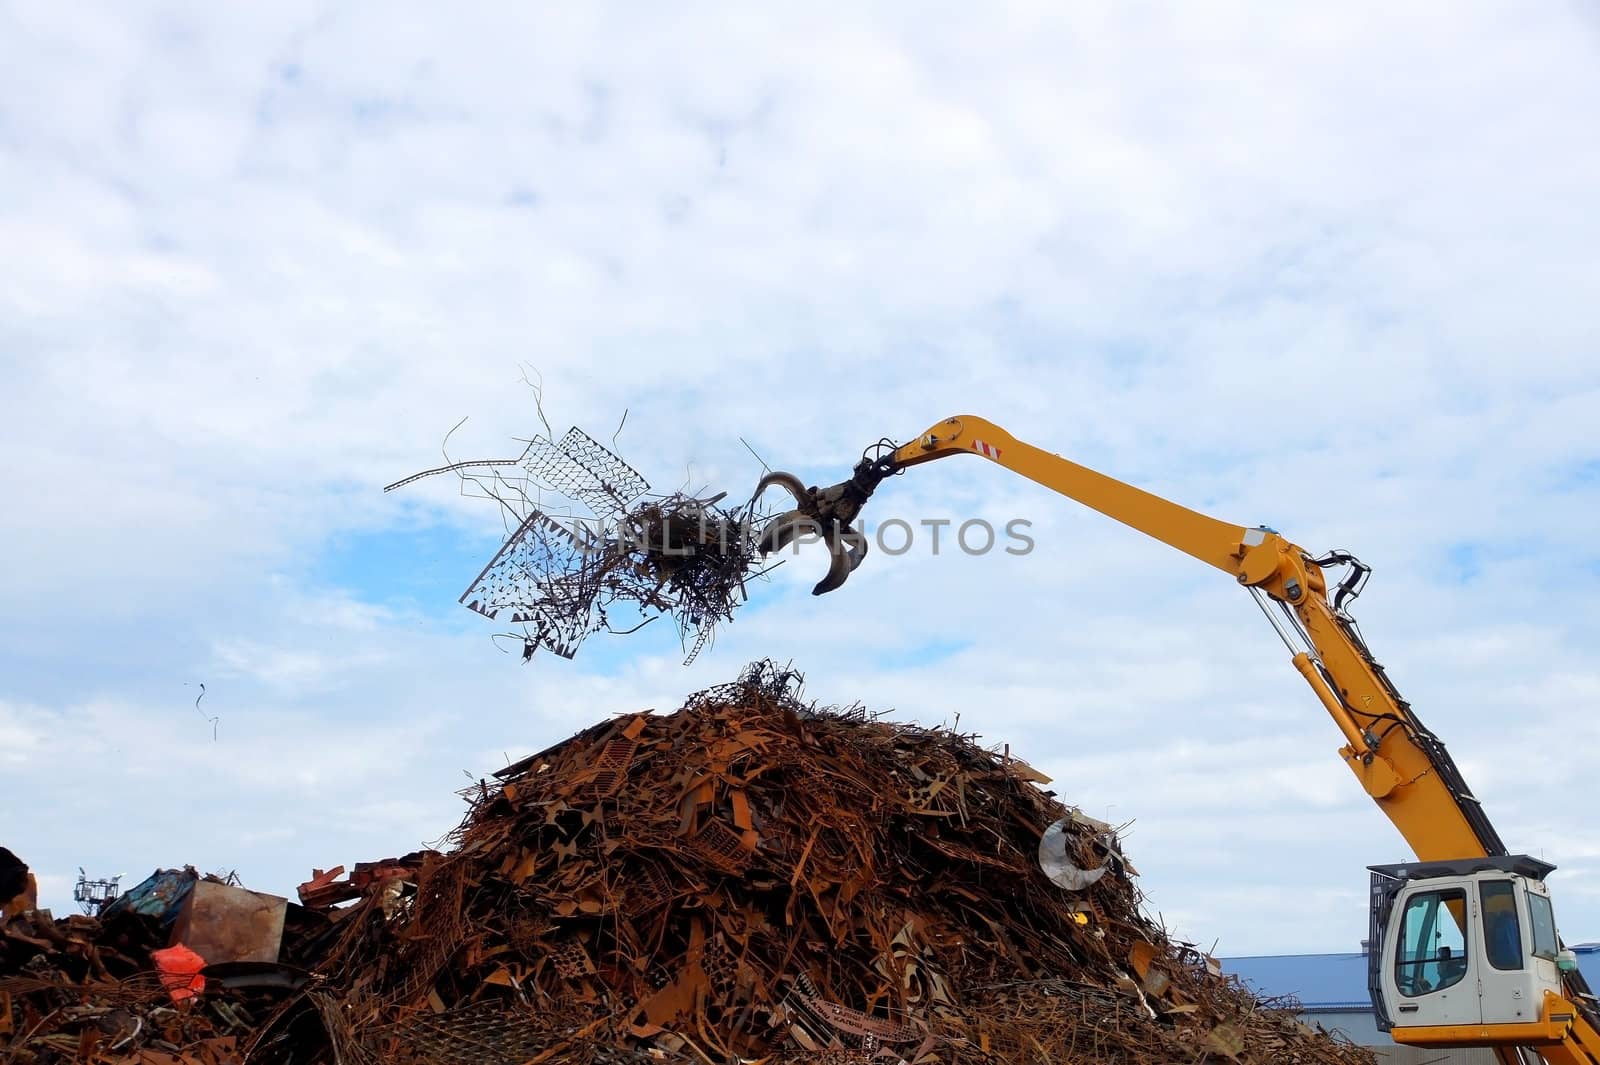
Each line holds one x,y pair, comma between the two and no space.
561,573
749,879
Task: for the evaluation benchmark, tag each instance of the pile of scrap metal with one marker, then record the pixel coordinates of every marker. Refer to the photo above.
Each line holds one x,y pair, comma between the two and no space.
748,879
181,969
753,878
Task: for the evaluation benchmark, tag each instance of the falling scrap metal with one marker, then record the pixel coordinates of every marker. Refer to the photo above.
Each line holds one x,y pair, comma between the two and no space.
561,574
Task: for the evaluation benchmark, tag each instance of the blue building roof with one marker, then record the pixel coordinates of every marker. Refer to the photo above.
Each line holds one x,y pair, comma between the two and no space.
1319,981
1333,982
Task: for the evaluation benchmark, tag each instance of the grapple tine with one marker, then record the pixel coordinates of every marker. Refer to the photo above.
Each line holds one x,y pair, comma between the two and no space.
825,513
783,529
839,568
796,487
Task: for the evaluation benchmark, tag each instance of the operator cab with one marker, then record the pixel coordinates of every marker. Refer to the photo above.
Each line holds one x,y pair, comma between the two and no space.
1465,952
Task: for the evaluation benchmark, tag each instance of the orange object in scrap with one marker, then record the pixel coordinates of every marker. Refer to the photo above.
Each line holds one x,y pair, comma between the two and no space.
180,971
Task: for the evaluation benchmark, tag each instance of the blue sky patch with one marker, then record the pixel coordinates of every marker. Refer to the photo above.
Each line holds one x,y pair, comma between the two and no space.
1579,475
1465,561
922,654
425,568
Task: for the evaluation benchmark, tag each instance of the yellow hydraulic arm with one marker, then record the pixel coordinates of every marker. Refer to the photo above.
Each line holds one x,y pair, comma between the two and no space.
1385,747
1401,764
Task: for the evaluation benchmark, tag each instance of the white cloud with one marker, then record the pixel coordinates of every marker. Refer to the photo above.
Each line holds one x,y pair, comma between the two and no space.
1328,269
22,732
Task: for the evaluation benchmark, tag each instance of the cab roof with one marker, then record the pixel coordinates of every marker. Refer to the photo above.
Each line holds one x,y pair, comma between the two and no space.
1520,864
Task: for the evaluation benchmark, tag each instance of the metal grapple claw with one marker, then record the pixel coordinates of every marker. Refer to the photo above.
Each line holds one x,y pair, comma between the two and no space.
823,514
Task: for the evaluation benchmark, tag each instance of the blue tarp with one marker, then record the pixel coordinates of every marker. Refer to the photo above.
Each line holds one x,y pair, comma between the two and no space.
159,896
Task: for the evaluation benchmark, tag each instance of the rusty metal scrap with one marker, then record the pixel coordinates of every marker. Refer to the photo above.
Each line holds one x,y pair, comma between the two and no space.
226,923
561,579
749,879
755,878
564,571
78,990
325,889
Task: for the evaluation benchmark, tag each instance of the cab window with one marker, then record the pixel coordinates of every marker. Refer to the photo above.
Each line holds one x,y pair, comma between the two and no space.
1502,933
1432,952
1544,927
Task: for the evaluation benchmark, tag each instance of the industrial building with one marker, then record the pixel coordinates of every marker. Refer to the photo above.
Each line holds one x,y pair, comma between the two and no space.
1332,992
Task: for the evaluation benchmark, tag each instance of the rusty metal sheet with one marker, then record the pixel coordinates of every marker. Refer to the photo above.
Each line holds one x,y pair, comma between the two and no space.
222,923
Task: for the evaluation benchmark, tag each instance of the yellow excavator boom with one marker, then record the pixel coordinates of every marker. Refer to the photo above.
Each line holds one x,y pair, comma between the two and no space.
1403,766
1381,746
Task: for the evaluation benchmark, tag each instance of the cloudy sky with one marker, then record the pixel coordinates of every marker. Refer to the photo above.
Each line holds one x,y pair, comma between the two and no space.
1333,270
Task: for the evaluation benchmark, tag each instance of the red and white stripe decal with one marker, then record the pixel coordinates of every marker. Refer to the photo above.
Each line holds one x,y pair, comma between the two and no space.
986,450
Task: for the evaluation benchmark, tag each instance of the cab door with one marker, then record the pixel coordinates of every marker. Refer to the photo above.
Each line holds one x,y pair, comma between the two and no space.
1519,949
1432,976
1507,987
